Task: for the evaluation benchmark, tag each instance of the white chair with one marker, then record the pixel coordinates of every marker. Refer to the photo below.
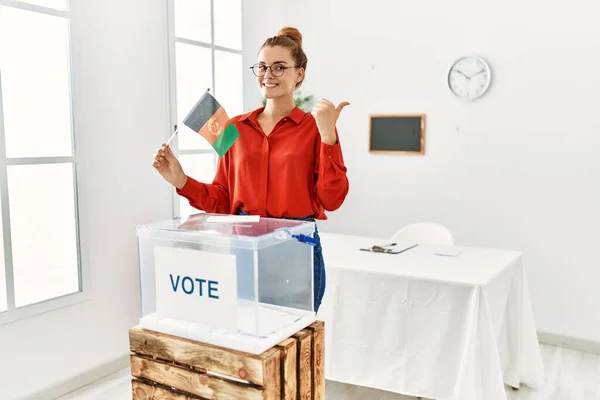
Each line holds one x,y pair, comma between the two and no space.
424,233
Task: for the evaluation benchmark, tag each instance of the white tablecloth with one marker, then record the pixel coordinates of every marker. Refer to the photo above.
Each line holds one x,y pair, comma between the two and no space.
426,325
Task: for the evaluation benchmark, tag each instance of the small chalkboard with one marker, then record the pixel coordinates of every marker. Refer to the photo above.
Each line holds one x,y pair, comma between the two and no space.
397,133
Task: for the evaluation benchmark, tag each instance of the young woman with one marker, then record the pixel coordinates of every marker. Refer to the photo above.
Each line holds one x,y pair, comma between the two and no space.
286,163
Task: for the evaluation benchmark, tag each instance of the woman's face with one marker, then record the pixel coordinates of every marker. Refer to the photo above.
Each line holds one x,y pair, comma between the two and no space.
281,78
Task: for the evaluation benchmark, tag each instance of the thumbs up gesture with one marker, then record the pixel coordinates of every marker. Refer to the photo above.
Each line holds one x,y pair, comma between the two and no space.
326,116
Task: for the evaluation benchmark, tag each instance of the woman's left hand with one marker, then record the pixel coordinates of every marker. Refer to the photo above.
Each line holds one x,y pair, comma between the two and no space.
326,116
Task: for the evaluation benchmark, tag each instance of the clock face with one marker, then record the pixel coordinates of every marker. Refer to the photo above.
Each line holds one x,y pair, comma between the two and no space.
469,77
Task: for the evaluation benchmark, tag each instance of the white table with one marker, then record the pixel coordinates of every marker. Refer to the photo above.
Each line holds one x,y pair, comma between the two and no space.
426,325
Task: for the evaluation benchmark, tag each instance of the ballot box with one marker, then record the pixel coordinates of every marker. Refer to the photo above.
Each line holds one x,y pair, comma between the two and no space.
239,282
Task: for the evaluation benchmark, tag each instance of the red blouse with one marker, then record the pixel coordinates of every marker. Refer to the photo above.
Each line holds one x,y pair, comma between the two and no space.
289,173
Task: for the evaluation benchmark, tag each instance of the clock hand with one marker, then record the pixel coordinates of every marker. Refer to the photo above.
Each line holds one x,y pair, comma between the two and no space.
479,72
463,74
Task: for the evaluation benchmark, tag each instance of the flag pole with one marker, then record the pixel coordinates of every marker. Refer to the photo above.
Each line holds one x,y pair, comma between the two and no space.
178,126
173,135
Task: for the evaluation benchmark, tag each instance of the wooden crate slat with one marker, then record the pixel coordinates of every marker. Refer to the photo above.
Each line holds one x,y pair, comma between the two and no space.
289,357
318,359
144,391
304,364
192,382
239,365
272,376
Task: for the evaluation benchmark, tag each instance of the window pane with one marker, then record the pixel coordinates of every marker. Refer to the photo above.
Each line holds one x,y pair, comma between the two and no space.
194,76
3,301
228,23
56,4
192,19
35,83
202,168
43,233
228,82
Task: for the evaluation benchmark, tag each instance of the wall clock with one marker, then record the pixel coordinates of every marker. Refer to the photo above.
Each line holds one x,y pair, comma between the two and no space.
469,77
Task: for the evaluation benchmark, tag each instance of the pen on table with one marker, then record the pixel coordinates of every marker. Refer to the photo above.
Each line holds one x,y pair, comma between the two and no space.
385,245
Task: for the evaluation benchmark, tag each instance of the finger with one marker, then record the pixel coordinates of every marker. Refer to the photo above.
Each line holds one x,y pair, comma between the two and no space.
341,106
169,154
166,149
330,104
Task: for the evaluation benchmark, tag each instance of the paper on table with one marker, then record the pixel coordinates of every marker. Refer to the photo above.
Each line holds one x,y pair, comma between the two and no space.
233,218
448,252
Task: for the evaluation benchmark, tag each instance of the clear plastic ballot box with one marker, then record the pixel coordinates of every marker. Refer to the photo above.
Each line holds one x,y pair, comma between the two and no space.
240,282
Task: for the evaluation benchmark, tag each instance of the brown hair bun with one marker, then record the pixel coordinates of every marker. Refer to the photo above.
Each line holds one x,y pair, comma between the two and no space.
292,33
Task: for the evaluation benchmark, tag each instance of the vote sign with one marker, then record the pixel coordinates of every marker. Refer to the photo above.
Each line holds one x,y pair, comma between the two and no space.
196,286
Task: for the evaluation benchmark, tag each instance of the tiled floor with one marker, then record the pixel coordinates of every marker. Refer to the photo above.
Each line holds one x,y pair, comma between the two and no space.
571,375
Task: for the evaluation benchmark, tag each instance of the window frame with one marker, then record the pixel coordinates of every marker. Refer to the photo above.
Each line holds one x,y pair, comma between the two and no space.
12,313
172,72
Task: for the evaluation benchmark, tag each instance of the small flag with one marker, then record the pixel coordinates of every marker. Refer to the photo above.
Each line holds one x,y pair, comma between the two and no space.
209,119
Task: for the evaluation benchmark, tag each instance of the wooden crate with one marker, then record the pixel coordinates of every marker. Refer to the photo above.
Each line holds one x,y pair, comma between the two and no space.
168,367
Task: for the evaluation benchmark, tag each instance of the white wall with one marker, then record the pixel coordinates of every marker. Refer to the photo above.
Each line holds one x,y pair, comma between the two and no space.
518,169
260,20
121,117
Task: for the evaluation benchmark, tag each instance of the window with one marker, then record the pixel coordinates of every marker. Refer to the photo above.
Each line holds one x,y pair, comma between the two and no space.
206,52
39,251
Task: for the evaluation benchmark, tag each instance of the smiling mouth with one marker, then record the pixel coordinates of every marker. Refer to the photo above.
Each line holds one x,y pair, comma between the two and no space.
270,85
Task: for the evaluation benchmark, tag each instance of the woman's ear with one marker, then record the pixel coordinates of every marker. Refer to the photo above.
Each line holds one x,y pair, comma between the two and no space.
299,75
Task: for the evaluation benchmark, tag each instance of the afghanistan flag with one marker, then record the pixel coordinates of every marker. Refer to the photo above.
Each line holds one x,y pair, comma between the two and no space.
209,119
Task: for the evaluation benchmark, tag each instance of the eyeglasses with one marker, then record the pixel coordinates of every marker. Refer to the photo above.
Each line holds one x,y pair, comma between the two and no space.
276,69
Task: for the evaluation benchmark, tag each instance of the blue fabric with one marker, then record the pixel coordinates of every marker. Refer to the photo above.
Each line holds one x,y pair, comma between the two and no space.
319,264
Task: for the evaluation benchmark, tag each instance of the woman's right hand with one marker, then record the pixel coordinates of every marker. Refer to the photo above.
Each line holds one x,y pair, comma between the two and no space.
169,167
